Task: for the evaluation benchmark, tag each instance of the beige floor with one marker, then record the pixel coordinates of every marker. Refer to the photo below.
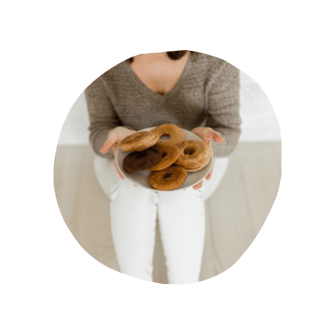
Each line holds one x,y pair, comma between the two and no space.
235,213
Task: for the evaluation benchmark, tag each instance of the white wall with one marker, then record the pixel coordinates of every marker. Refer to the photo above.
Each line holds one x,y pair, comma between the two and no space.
259,123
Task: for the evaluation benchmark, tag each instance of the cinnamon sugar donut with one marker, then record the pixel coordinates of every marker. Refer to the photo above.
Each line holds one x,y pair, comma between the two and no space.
168,179
139,141
176,133
170,153
195,155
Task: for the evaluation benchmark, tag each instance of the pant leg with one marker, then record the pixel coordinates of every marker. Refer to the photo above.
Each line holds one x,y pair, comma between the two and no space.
182,223
168,208
133,212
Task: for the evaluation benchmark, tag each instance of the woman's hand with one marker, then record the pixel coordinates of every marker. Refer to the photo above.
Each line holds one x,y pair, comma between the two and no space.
113,141
207,134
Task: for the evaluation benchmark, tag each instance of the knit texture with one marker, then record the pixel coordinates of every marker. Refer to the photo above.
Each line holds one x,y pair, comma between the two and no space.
206,95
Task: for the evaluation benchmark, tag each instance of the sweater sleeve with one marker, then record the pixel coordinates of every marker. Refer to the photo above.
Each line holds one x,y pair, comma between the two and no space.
223,109
102,116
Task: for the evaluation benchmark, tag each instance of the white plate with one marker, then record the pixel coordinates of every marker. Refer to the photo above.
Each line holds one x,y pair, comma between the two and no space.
140,178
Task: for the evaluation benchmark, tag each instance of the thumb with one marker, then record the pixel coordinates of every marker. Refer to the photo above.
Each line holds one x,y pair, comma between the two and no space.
115,147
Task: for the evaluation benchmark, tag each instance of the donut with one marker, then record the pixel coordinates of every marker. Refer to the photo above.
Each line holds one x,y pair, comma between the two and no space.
139,141
141,160
167,179
199,168
170,153
195,155
176,133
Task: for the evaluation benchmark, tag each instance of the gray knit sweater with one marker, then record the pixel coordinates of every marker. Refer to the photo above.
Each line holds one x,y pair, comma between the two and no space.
206,95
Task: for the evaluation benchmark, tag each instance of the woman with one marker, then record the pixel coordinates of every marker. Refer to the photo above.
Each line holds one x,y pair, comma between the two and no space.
194,91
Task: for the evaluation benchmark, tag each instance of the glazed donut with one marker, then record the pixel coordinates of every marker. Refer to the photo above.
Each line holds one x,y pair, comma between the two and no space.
195,155
141,160
168,179
170,153
176,133
139,141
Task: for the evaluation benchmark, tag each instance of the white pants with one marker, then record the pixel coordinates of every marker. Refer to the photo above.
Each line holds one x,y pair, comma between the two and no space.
181,218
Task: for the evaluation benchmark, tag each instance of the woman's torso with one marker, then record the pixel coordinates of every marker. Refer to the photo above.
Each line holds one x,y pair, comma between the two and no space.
138,101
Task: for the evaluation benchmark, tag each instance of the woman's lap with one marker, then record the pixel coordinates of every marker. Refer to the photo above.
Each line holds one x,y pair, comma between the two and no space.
181,216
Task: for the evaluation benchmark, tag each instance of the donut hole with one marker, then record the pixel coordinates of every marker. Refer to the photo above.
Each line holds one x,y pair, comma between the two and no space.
189,151
167,176
137,136
164,154
165,137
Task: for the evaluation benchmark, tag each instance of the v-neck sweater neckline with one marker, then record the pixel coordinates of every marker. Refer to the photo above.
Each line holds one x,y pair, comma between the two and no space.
147,91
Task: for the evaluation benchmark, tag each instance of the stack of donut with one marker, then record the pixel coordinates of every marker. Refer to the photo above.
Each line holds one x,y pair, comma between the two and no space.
169,161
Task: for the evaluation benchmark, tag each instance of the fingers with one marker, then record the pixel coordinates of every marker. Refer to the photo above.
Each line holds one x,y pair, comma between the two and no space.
208,134
209,142
115,147
217,137
118,171
208,177
120,174
116,135
108,145
197,186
